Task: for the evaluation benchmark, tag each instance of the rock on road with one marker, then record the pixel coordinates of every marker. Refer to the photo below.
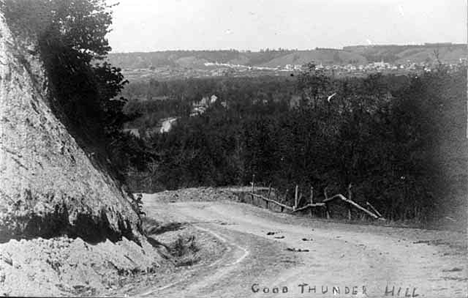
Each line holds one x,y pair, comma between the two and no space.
272,254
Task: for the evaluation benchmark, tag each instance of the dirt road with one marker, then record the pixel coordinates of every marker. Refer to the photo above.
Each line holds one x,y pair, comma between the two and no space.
278,255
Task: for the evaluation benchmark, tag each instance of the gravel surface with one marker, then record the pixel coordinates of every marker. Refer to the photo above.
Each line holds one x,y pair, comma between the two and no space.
210,245
266,252
63,266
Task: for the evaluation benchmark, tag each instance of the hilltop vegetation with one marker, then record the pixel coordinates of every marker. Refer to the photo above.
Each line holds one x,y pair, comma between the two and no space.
324,56
398,139
446,53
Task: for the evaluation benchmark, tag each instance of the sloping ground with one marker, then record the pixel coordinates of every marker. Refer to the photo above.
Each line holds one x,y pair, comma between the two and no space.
318,56
207,194
446,55
197,58
356,54
191,61
66,228
48,184
69,267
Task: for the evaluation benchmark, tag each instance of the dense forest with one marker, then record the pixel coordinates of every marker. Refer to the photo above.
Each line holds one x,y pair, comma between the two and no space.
399,140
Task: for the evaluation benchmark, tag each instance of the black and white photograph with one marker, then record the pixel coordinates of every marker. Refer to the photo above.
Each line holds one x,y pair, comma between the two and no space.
234,148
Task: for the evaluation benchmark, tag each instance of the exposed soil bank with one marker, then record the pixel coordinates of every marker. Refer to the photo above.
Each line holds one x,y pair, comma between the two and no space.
65,266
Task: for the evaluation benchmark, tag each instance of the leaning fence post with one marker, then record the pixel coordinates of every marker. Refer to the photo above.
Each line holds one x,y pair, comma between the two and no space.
373,209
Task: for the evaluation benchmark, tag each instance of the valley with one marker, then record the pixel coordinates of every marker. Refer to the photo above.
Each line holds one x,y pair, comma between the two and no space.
348,61
326,172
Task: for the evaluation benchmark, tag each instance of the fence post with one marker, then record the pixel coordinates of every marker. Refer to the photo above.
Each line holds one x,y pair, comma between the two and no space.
269,192
296,197
253,189
253,183
327,209
350,197
311,199
311,194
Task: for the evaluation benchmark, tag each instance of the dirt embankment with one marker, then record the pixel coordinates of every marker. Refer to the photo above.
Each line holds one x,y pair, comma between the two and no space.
49,184
66,227
63,266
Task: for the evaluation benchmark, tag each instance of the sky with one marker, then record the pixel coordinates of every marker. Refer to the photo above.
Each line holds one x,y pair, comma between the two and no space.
158,25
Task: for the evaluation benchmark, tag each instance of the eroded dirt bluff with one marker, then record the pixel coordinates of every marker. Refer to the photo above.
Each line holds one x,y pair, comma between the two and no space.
48,185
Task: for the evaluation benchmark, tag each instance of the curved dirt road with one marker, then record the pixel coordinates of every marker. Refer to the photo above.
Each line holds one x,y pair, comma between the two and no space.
278,255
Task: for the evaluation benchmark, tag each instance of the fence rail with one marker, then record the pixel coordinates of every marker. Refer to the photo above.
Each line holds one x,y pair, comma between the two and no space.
325,204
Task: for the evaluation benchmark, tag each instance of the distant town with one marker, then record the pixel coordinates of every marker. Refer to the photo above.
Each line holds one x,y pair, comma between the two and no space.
349,61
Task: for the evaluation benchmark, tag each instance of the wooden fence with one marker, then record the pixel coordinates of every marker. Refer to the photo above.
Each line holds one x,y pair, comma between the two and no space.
321,207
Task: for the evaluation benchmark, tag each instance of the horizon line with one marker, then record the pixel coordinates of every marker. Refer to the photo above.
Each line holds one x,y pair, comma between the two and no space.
293,50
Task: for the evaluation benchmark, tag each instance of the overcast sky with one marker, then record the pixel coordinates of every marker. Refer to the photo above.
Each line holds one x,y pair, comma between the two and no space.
153,25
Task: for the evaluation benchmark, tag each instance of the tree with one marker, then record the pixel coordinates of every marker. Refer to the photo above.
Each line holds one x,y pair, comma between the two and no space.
81,25
70,38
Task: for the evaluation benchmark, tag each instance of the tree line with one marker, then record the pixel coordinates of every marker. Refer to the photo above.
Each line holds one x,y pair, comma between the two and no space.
400,141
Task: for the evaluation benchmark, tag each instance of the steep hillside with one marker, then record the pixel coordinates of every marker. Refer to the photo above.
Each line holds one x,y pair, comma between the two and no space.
358,55
448,53
66,227
49,187
318,56
139,60
272,58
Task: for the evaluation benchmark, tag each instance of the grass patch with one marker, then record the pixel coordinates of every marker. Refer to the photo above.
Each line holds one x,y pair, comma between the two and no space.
154,227
184,250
